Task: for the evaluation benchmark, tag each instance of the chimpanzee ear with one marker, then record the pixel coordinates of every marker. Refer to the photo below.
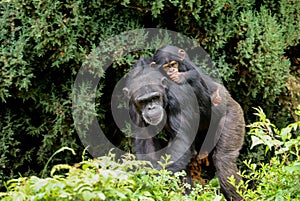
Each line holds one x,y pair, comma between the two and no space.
164,82
181,53
126,92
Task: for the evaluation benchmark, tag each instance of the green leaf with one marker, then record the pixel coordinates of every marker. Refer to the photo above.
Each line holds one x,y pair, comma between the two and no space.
100,195
292,169
87,195
255,141
286,133
121,195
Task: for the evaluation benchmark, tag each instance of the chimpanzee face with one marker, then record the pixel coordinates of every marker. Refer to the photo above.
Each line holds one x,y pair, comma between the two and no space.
171,67
148,100
150,106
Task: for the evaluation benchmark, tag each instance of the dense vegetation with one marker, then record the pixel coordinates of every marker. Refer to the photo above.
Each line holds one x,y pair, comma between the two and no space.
106,178
254,44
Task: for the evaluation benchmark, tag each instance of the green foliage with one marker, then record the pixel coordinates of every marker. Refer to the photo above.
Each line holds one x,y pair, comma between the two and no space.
277,179
247,40
274,181
263,69
44,43
264,132
106,178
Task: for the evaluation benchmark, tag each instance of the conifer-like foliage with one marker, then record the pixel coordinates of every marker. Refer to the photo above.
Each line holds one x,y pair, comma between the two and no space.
254,44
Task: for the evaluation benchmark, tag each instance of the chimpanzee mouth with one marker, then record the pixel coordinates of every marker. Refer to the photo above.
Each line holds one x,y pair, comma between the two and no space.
153,119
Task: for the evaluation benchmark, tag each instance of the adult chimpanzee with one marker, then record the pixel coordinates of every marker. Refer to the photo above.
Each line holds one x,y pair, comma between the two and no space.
155,103
190,125
228,115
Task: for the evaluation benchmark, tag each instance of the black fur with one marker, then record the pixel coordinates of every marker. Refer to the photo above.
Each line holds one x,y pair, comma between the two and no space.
190,118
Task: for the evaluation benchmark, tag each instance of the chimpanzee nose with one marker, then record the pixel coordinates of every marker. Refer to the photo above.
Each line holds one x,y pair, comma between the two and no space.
150,107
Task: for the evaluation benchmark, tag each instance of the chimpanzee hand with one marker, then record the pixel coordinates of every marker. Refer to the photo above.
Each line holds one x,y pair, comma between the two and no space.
177,77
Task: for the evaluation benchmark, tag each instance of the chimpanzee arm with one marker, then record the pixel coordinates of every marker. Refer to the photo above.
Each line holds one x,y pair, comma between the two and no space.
183,122
191,76
144,149
180,151
145,145
181,148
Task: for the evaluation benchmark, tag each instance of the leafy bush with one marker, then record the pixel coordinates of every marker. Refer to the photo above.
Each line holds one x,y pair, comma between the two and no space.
277,179
107,179
254,45
247,40
43,44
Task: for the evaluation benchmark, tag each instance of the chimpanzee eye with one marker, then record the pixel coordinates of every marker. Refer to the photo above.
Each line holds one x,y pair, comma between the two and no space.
143,102
166,66
173,64
155,98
